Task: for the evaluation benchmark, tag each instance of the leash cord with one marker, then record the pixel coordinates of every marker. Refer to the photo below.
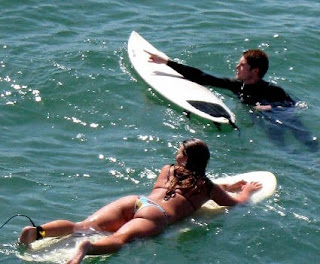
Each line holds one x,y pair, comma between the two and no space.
17,216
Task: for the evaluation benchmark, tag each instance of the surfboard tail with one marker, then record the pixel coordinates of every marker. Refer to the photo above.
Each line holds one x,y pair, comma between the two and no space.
214,110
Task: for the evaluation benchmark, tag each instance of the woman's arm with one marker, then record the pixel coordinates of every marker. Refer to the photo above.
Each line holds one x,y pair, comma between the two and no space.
235,187
221,197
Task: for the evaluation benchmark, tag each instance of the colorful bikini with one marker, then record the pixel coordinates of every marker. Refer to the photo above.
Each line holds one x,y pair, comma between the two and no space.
143,202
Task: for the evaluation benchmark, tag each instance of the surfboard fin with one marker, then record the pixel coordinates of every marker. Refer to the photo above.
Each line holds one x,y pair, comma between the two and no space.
234,125
218,126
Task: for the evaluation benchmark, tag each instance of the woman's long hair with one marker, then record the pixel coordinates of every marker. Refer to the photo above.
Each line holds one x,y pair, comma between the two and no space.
186,177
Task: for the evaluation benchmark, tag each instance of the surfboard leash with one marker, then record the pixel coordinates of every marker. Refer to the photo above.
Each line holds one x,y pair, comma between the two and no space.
234,126
40,232
33,224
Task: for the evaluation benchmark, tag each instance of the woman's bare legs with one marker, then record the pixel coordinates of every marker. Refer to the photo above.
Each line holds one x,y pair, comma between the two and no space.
109,218
112,216
52,229
118,217
136,228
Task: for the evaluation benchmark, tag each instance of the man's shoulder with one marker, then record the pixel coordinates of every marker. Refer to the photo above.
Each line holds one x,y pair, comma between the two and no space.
278,93
270,84
272,87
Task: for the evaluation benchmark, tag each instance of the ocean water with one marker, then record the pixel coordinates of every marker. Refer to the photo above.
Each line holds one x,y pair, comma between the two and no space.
79,128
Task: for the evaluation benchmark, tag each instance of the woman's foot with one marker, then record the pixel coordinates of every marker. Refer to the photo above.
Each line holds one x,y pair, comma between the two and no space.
28,235
80,253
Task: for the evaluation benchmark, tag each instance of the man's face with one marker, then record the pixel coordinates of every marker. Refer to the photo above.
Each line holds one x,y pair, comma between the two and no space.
244,71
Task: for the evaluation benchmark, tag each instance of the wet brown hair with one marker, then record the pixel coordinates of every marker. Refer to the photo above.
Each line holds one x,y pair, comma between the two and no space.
187,177
257,59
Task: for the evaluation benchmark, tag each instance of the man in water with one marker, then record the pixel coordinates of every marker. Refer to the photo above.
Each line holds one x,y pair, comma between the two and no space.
270,100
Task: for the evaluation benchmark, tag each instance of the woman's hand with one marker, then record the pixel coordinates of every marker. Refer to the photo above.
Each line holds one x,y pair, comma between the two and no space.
80,253
251,187
246,191
235,187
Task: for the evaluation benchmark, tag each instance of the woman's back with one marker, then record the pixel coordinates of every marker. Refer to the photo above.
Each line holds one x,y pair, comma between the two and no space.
183,201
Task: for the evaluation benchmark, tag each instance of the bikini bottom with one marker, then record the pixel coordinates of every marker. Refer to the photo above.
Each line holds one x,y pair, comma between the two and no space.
143,202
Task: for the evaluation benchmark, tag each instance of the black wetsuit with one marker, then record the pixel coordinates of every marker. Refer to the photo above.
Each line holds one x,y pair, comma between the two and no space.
262,93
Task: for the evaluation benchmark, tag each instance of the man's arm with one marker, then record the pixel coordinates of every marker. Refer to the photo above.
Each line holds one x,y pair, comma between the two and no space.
198,76
193,74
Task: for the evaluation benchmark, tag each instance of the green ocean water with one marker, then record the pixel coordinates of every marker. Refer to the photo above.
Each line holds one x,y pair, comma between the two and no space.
79,128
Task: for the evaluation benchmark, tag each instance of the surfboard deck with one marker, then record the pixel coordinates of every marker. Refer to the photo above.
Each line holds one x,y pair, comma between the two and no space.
191,97
267,179
56,250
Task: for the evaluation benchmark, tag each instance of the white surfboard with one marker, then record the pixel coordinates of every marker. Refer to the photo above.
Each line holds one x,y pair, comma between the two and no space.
190,96
267,179
56,250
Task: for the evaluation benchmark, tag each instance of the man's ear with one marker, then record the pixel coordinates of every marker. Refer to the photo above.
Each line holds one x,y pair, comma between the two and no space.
256,71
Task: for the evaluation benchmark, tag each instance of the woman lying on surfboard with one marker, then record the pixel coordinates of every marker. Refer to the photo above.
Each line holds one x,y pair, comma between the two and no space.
178,192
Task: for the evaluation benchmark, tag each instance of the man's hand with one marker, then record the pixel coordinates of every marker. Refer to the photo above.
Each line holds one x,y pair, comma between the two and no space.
156,58
263,107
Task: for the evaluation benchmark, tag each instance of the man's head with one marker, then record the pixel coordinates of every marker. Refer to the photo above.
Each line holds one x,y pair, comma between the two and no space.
257,59
252,66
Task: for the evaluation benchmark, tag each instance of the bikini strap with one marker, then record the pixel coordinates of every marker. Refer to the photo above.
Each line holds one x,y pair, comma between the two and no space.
168,175
207,186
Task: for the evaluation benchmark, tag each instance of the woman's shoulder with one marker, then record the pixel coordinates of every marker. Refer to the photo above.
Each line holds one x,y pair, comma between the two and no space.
165,171
209,185
163,177
167,167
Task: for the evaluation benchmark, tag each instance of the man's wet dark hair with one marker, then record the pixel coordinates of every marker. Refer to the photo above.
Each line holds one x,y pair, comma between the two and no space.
257,59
